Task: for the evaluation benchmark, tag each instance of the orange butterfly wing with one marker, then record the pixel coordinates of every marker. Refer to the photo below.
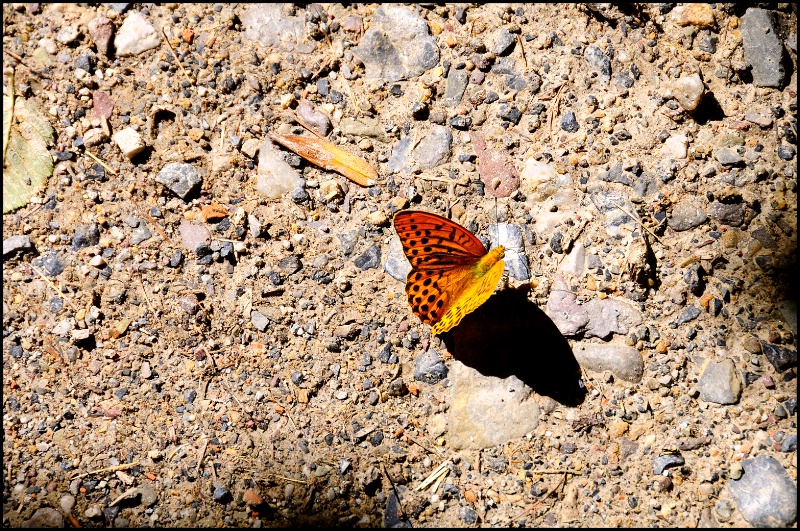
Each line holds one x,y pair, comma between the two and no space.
451,271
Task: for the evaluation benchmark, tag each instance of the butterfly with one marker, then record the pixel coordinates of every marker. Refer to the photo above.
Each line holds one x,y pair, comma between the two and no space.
451,274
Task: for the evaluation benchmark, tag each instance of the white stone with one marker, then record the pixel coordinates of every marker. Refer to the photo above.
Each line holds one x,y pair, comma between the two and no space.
136,36
536,179
129,141
275,177
688,91
675,147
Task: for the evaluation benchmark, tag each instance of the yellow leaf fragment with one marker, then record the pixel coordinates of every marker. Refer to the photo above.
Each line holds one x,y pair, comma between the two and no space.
330,157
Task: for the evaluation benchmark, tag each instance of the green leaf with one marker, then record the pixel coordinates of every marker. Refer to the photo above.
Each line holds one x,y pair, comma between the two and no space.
27,163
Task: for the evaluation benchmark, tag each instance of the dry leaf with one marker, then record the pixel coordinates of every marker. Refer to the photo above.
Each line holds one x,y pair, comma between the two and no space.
330,157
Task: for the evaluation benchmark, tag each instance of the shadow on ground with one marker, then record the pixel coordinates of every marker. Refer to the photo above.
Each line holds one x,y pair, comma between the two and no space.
510,335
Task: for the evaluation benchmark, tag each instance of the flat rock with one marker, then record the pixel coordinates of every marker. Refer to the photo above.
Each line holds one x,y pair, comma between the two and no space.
486,410
433,148
624,362
397,45
497,171
180,178
267,24
763,49
13,244
686,214
765,494
719,383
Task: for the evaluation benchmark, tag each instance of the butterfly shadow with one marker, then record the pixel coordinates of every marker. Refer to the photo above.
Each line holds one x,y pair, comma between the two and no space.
510,335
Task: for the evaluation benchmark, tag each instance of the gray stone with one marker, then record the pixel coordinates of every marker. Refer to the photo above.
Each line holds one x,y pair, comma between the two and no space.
609,316
598,61
719,383
569,123
763,49
348,240
624,362
180,178
396,265
397,45
267,24
140,234
429,368
85,235
45,517
13,244
727,156
67,35
690,313
780,357
456,83
433,149
400,161
259,320
51,263
665,461
67,503
686,215
765,494
370,259
727,213
504,42
510,236
486,410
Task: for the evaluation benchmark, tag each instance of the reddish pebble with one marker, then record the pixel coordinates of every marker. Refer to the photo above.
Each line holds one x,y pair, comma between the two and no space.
251,497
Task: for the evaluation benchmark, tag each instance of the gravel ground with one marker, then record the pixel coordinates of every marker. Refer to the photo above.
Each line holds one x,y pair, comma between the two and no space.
205,329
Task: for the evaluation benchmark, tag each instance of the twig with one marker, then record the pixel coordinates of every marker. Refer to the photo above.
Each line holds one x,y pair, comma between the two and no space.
7,132
54,287
20,60
522,49
433,476
463,181
202,455
429,450
157,226
556,102
551,491
292,480
101,163
636,218
396,494
108,469
171,49
144,291
556,471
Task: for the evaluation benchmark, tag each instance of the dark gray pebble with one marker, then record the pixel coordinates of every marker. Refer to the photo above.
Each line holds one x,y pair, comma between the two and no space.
51,262
371,258
429,368
664,461
569,123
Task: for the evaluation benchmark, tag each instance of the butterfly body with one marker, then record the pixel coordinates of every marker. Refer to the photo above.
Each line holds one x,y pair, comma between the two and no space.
451,274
